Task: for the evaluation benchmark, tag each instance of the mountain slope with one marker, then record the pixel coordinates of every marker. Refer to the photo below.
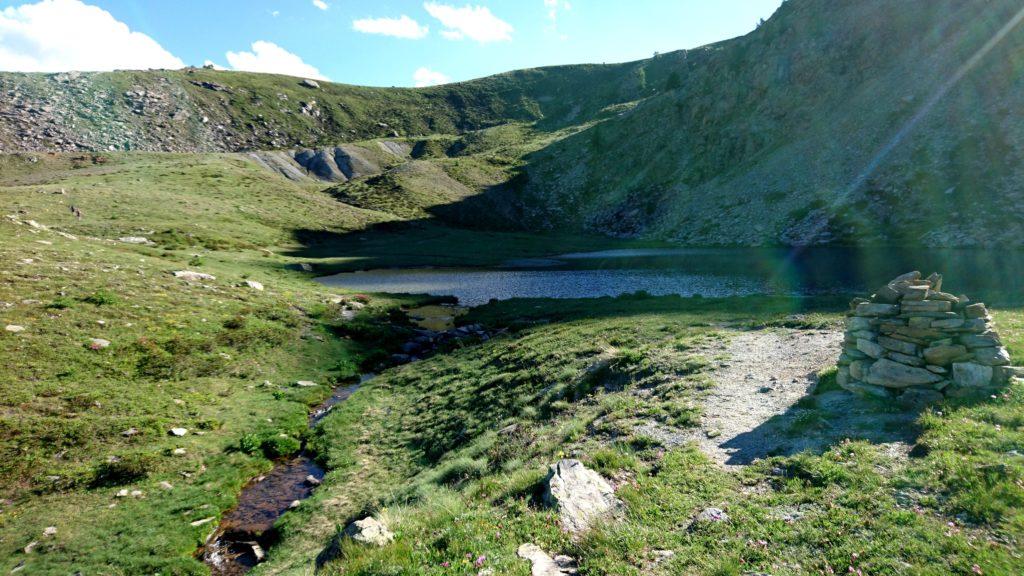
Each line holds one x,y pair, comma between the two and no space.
772,138
766,137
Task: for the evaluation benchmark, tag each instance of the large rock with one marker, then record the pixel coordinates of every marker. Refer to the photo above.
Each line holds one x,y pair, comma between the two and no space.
976,311
192,276
862,389
891,374
369,530
545,565
989,340
580,495
972,374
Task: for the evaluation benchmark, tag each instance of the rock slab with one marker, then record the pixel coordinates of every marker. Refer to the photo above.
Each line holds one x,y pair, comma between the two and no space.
581,496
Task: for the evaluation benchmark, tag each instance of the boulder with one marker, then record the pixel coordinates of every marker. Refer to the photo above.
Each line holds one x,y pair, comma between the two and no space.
580,495
912,292
891,374
369,530
992,356
908,277
886,295
545,565
943,355
309,83
971,374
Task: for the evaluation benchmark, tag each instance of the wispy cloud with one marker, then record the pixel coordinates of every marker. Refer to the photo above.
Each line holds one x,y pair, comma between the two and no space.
403,27
473,22
271,58
61,35
321,4
555,6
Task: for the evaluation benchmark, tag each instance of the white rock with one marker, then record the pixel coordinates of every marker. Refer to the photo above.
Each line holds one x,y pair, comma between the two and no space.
305,383
312,480
581,495
545,565
98,343
179,431
179,452
14,328
134,240
369,530
191,276
203,521
254,285
165,485
122,493
50,531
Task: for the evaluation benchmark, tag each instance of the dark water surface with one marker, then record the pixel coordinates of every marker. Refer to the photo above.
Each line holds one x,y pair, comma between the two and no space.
711,272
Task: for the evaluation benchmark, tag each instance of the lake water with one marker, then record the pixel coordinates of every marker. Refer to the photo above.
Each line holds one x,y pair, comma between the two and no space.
705,272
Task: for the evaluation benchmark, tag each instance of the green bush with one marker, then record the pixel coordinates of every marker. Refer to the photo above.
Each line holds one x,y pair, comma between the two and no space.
100,298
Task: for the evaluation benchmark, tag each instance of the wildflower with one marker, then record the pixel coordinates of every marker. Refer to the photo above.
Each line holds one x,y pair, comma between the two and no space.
976,569
480,561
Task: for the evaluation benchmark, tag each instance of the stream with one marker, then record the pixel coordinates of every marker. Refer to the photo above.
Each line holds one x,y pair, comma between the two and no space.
247,530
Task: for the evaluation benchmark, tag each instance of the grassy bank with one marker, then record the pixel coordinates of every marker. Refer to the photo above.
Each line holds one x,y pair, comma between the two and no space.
452,452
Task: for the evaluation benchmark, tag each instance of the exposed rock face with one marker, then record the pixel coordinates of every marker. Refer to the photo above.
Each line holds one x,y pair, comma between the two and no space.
917,343
369,530
581,495
545,565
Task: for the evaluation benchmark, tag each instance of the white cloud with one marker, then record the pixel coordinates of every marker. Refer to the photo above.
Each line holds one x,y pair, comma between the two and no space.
321,4
271,58
475,22
275,13
427,77
403,27
554,6
61,35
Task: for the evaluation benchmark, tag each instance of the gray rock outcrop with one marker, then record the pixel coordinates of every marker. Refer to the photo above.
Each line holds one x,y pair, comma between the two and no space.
581,496
915,343
545,565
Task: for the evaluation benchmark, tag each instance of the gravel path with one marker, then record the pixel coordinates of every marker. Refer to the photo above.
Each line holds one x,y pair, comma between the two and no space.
766,373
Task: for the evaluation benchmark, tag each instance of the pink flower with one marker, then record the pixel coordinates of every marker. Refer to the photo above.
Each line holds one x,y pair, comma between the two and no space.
445,564
480,561
976,569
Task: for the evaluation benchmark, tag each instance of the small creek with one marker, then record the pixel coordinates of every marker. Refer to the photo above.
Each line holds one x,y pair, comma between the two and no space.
246,530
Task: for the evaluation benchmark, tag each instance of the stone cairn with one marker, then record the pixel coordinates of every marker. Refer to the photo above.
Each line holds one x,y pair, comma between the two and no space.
916,344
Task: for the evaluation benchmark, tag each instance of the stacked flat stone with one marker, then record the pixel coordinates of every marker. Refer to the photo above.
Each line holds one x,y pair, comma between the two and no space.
916,344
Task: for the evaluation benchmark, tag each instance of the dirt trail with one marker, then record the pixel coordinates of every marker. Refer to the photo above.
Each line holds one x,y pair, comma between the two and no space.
752,411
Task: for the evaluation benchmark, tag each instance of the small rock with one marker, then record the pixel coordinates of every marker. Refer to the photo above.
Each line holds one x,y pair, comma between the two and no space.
136,494
14,328
134,240
122,493
313,480
308,83
711,515
98,344
545,565
179,431
305,383
30,546
130,432
254,285
369,530
165,485
203,521
179,452
295,504
50,531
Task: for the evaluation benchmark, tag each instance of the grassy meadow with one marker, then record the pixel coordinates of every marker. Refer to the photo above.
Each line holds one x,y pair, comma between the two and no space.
452,450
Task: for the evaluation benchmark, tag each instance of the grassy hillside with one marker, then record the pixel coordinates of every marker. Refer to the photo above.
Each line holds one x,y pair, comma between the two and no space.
452,453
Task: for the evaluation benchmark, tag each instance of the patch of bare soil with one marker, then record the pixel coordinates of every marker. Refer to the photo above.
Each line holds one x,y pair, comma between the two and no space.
763,402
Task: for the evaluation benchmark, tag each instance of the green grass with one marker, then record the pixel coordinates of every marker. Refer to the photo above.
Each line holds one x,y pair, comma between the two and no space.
452,452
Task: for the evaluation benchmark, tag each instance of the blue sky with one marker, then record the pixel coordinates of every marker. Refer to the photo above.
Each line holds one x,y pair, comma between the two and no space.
380,42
